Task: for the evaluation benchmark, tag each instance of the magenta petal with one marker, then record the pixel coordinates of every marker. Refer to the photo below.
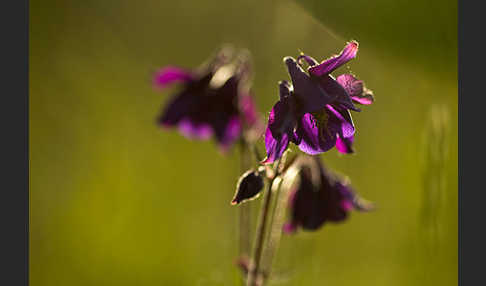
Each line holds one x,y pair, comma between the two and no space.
289,228
275,146
355,88
352,85
231,133
313,136
345,145
347,205
310,61
171,74
350,200
363,100
281,123
248,109
329,65
193,130
336,91
341,117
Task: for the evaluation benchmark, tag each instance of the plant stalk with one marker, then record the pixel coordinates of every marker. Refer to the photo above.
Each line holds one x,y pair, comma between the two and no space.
244,209
254,271
278,219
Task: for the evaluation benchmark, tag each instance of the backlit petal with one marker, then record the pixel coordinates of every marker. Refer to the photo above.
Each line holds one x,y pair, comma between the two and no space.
329,65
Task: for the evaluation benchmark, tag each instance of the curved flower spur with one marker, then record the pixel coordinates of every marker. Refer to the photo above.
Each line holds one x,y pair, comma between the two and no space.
214,100
313,112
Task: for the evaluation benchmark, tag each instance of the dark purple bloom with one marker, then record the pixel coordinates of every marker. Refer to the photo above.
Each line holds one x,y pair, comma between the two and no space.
313,112
213,100
320,197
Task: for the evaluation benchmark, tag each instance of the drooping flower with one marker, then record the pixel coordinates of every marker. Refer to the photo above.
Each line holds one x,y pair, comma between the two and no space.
313,112
320,197
213,100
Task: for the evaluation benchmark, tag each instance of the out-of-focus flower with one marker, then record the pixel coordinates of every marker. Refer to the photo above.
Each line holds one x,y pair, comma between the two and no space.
319,197
214,100
313,112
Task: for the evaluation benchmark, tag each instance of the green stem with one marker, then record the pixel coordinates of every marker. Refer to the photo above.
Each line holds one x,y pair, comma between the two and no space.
244,209
278,219
254,270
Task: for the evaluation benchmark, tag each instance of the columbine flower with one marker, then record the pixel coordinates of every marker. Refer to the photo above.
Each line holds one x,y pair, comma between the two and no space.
313,112
320,197
214,100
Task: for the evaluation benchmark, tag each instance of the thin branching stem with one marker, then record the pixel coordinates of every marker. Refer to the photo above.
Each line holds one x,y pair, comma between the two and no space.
254,270
244,209
282,189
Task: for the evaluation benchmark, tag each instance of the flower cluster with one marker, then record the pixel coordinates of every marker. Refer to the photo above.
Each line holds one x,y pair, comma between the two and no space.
214,100
313,111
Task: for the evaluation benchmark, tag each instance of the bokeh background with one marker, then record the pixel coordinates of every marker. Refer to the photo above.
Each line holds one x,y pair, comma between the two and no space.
114,200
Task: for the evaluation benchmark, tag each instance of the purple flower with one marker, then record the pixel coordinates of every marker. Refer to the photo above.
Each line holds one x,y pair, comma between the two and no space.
212,101
320,197
313,112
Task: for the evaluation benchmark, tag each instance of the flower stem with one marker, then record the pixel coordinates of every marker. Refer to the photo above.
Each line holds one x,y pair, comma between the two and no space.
254,270
244,209
278,218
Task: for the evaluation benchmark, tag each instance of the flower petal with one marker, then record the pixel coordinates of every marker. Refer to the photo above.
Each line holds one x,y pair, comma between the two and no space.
345,145
352,85
292,225
284,89
281,123
310,95
289,228
275,146
310,61
342,118
171,74
182,105
195,130
221,112
320,131
248,110
230,134
352,199
329,65
182,113
227,128
356,89
336,91
308,208
312,134
338,206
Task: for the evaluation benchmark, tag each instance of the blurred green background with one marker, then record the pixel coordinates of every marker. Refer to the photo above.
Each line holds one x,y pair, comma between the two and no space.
116,201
